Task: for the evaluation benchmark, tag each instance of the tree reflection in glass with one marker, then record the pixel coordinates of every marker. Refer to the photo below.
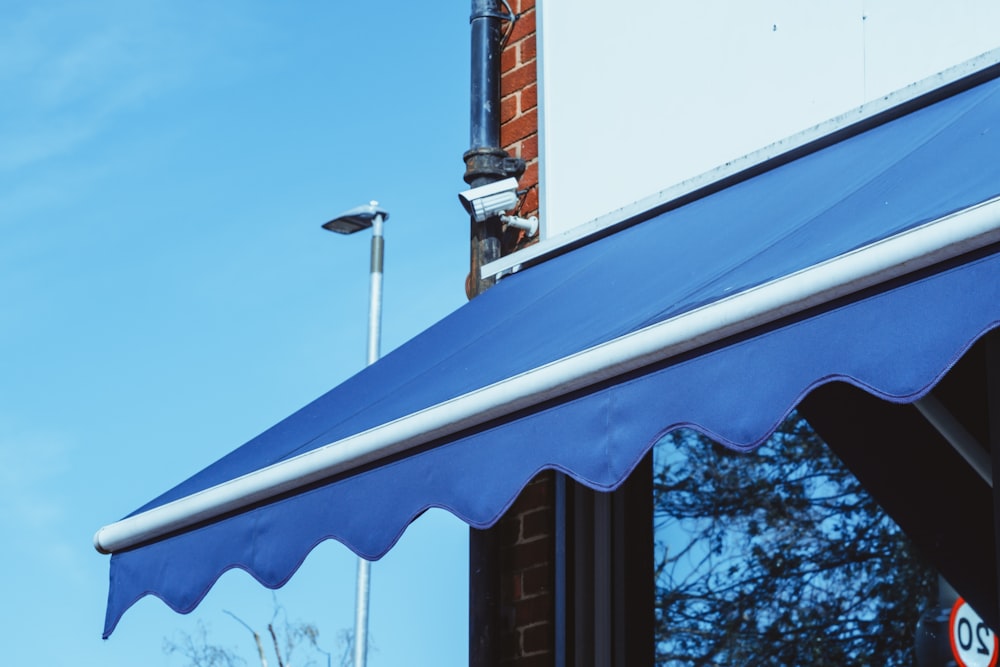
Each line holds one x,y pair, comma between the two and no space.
778,557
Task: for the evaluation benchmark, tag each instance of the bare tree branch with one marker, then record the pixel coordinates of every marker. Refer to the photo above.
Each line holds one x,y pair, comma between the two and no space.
256,637
277,649
286,638
778,557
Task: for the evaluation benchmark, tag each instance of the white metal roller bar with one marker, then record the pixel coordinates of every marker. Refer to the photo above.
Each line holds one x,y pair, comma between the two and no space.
899,255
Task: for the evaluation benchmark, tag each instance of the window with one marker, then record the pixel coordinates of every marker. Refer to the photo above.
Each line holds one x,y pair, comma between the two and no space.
778,556
794,553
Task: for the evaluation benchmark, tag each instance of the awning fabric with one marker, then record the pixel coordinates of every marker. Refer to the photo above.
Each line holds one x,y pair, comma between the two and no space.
895,341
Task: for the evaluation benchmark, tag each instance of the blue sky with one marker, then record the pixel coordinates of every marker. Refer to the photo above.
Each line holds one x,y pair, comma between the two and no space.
167,292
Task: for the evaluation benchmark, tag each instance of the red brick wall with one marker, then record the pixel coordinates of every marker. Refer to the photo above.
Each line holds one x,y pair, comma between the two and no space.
519,106
527,531
526,569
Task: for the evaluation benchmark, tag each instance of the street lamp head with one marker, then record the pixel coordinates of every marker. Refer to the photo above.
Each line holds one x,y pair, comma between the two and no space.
356,219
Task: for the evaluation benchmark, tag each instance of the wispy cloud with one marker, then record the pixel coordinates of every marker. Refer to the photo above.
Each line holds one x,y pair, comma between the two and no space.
71,72
31,462
39,512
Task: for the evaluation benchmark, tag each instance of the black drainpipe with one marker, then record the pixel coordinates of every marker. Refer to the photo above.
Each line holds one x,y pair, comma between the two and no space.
485,161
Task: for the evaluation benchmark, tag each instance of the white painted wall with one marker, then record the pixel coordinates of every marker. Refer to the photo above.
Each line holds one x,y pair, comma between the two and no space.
638,95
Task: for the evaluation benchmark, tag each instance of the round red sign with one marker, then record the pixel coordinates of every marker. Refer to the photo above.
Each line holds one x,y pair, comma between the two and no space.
973,643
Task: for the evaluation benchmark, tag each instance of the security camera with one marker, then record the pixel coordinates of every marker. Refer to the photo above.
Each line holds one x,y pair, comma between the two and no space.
491,200
488,201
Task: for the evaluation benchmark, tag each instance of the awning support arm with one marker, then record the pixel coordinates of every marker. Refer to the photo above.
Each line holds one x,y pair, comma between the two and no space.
957,436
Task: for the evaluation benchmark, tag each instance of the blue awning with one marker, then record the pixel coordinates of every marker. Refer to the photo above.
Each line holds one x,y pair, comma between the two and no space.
894,338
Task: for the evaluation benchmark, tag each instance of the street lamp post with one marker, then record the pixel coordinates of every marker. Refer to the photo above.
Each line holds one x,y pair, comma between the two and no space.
355,220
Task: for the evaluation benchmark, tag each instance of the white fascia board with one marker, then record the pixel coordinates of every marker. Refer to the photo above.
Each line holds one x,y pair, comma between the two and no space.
846,274
857,117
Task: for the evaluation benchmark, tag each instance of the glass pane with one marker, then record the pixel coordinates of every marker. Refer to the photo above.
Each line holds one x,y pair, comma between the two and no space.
778,557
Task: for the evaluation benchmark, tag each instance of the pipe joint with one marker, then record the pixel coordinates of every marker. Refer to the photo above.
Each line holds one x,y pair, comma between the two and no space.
489,9
487,164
